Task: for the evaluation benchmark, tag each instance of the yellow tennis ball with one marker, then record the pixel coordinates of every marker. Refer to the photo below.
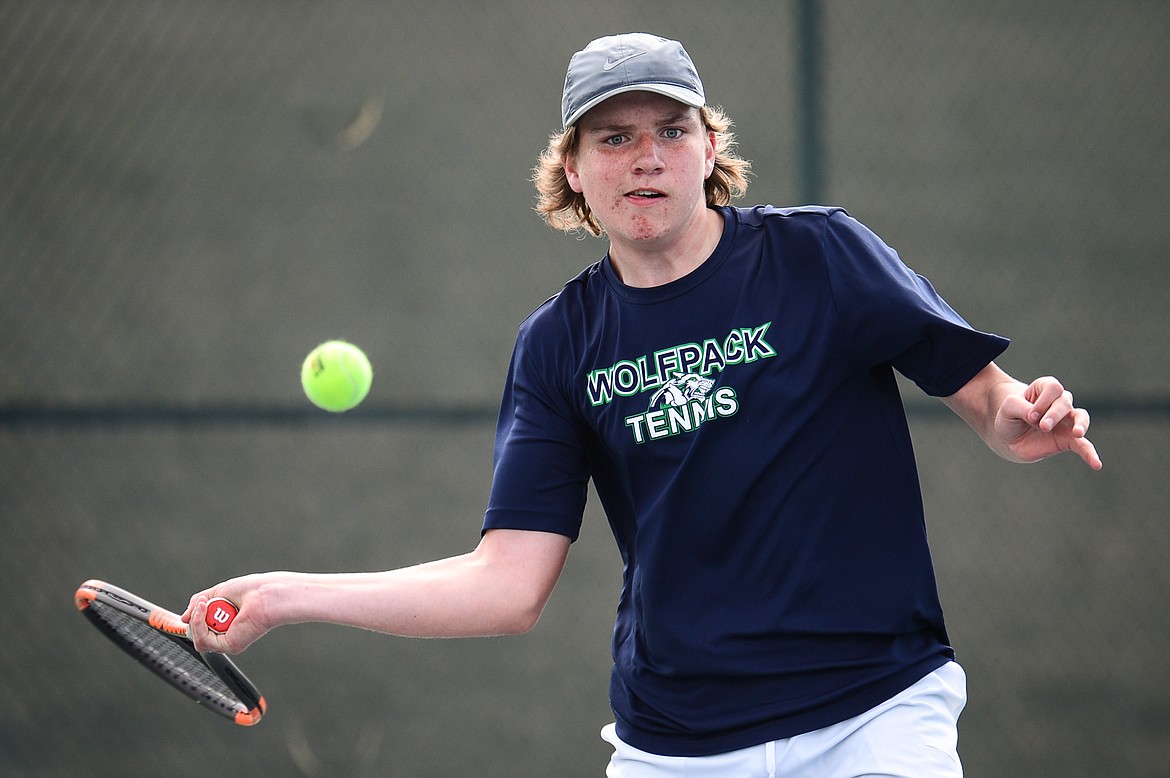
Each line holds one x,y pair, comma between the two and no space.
336,376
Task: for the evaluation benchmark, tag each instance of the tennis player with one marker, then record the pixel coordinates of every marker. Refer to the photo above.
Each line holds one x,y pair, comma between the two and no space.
725,376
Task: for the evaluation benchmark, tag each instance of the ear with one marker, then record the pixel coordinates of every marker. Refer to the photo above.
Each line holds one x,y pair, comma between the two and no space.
710,162
572,176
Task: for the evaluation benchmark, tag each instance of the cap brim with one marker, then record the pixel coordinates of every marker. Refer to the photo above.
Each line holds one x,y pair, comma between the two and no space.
683,94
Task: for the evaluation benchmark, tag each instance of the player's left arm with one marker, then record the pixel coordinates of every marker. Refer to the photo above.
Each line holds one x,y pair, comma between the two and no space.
1024,422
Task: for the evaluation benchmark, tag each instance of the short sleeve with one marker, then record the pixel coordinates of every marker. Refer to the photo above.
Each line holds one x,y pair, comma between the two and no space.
890,314
540,477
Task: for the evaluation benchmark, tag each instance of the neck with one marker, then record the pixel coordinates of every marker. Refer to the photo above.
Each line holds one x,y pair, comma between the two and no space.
653,265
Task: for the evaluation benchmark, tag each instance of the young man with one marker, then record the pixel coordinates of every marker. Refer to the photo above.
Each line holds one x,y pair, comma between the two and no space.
725,378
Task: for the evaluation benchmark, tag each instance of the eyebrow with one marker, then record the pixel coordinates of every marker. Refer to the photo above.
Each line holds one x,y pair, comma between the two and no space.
679,117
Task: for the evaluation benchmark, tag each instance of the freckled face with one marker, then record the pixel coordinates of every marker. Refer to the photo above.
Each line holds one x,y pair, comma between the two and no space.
641,162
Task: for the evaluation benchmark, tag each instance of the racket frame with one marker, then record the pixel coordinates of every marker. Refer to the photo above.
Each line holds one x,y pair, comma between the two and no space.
170,623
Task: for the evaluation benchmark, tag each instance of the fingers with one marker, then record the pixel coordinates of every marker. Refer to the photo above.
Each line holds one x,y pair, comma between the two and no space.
201,635
196,616
1044,421
1051,403
1083,448
1054,411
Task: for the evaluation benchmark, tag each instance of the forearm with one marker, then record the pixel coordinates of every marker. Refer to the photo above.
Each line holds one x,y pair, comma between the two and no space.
456,597
500,588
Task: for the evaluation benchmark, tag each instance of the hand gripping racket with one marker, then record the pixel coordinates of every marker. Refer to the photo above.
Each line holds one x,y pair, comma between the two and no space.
158,639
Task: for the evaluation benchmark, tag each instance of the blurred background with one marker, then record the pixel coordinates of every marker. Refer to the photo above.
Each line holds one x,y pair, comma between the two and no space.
194,194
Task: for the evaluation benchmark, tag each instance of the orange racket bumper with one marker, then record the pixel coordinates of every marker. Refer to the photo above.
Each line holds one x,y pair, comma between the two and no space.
248,718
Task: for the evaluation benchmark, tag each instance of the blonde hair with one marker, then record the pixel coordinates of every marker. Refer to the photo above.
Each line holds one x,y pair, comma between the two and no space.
564,209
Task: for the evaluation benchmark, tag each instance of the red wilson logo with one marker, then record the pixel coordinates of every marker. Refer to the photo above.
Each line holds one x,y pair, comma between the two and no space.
220,613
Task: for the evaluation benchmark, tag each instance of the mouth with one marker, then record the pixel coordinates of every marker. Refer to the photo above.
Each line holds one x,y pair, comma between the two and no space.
645,194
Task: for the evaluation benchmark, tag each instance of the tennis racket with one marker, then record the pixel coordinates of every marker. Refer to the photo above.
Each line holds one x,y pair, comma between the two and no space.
158,639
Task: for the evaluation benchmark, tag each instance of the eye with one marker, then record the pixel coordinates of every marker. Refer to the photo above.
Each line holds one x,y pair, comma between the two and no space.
614,140
673,133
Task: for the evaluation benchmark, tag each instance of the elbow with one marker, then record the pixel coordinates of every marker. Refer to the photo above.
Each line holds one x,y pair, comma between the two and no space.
522,619
514,628
521,608
518,572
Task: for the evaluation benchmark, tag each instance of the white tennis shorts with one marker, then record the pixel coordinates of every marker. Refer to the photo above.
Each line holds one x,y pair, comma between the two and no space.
911,735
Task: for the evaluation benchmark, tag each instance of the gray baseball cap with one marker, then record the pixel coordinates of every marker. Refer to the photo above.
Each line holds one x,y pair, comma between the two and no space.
632,62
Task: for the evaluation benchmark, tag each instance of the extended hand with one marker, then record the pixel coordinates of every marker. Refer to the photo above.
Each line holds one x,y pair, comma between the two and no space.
248,626
1042,421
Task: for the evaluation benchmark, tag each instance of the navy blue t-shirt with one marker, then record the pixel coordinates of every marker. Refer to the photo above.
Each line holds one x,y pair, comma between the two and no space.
744,431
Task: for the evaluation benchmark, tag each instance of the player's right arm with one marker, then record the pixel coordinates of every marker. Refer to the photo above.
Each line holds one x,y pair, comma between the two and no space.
499,588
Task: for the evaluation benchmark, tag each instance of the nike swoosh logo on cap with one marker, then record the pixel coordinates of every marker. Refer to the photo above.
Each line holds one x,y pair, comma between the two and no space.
610,64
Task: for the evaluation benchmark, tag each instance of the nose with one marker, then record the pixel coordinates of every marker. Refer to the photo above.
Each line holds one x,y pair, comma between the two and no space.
648,156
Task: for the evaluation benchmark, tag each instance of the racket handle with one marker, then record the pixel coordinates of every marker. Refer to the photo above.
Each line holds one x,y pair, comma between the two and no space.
220,614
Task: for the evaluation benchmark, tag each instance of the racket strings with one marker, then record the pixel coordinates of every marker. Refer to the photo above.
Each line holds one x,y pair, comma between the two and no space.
174,660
